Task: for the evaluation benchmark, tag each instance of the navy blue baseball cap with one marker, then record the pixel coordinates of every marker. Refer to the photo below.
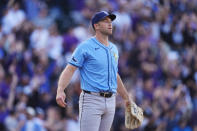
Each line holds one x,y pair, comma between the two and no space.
100,16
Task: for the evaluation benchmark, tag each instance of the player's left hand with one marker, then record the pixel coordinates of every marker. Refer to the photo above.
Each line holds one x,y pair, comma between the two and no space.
133,116
127,102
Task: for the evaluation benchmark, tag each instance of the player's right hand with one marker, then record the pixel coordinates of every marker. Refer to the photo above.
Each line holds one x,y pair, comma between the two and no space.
60,99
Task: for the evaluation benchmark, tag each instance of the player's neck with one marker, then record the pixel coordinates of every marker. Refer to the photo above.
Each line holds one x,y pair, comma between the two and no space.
102,38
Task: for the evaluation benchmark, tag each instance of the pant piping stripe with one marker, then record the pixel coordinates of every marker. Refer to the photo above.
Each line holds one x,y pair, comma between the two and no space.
82,109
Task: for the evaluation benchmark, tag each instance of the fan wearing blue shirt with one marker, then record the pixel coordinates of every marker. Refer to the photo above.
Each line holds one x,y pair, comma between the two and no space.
97,61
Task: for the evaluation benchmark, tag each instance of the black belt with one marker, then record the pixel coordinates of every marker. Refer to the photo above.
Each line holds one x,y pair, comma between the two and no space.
103,94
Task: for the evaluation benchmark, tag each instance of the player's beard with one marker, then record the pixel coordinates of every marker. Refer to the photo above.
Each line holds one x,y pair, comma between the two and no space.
106,32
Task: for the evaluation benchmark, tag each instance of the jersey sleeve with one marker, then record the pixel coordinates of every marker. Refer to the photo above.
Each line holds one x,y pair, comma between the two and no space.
78,56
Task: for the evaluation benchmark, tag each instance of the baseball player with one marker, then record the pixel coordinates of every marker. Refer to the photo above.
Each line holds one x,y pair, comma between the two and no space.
97,61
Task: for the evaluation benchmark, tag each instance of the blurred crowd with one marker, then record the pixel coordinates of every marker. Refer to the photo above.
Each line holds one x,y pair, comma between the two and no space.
157,42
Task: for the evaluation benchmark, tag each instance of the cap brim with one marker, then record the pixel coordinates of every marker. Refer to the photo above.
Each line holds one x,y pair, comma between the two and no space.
112,16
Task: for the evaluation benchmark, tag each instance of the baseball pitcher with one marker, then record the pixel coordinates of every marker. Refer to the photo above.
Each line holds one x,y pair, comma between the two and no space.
97,61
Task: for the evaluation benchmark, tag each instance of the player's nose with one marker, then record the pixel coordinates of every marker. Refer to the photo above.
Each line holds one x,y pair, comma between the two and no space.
110,25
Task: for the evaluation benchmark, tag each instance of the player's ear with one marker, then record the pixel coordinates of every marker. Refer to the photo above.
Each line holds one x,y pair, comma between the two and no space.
96,26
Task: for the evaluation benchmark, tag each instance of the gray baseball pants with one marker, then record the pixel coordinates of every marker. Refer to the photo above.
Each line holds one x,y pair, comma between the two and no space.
96,113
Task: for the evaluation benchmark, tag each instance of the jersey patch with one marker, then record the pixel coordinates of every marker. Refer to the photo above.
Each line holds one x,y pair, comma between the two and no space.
74,59
115,56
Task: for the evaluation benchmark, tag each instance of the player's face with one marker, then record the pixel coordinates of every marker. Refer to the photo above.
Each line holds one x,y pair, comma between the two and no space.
105,26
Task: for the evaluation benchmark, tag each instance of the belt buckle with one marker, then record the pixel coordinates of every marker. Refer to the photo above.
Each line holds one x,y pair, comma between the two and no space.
104,94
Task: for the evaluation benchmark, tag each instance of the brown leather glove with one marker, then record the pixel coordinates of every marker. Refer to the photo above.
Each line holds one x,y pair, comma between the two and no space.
133,116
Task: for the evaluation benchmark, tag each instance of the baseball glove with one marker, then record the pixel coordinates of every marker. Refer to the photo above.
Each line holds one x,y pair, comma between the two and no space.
133,116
